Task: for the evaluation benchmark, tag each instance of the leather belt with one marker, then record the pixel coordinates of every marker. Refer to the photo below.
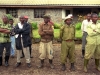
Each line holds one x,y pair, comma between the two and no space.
70,40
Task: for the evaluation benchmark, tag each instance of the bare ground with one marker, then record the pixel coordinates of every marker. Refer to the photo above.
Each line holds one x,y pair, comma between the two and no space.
24,70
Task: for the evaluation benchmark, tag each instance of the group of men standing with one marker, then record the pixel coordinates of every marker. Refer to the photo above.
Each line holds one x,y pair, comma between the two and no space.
21,32
90,41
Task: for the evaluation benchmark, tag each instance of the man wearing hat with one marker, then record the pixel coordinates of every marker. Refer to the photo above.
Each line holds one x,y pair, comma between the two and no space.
67,34
30,48
70,15
46,47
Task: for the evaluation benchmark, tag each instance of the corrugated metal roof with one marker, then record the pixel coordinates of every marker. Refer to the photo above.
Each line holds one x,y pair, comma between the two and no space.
50,2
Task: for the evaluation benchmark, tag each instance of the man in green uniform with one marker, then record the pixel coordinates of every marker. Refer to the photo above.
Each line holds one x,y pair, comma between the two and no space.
5,40
67,35
93,42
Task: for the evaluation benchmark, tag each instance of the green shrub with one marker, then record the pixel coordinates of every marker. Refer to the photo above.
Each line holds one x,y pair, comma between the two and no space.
56,33
34,25
57,25
98,21
35,33
78,25
78,34
9,16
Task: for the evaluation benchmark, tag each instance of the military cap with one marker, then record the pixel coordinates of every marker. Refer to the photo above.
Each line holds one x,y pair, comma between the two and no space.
46,16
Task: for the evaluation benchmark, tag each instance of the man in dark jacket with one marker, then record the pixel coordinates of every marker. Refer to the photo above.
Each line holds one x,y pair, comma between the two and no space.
23,41
30,48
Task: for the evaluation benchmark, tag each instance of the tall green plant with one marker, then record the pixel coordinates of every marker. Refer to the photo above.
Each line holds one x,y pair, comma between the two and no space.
78,25
34,25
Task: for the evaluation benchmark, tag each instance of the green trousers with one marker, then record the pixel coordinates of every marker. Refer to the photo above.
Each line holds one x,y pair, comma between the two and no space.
67,50
92,50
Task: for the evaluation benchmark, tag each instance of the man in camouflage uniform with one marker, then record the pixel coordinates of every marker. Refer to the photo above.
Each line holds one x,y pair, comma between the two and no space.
5,42
67,34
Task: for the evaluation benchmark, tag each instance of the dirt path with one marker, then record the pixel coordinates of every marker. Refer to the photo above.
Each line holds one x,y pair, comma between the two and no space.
23,70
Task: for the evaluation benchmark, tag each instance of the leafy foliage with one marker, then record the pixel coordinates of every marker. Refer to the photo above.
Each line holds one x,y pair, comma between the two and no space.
57,25
35,33
78,25
9,16
78,34
34,25
56,33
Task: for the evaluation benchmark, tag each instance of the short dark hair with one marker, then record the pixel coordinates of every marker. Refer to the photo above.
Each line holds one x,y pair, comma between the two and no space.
5,16
88,14
21,16
11,20
93,14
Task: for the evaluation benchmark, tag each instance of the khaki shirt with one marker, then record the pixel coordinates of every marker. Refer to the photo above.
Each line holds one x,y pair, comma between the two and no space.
67,32
5,37
93,31
46,32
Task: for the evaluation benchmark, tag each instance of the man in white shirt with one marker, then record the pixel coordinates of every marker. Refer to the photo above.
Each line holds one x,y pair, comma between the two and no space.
84,30
23,41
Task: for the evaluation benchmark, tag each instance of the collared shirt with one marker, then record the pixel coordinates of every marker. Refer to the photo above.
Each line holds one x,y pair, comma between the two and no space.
5,37
67,32
46,32
84,25
93,31
20,27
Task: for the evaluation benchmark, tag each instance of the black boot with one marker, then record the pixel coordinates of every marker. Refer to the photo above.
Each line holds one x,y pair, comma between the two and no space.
0,61
72,68
28,65
6,61
83,53
63,67
41,64
18,64
51,65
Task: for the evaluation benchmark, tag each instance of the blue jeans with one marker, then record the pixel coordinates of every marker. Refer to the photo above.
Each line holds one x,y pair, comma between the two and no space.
12,45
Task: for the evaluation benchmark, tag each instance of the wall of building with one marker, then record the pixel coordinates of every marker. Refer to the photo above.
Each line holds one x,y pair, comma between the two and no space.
56,14
2,12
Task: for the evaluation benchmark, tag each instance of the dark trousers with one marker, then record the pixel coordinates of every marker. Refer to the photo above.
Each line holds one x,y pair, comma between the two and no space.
84,40
7,47
30,49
